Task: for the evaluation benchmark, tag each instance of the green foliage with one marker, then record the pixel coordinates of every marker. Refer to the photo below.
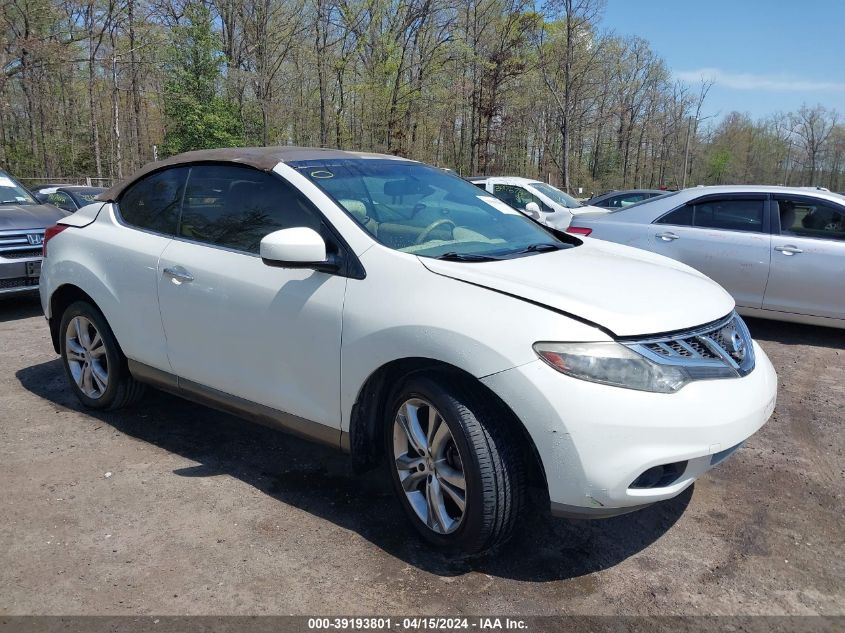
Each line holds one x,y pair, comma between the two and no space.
196,116
481,86
720,161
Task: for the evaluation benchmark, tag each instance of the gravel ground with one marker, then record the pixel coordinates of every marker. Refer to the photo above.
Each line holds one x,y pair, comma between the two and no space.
173,508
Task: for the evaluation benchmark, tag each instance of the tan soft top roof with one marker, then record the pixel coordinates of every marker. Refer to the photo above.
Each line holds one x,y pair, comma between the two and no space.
263,158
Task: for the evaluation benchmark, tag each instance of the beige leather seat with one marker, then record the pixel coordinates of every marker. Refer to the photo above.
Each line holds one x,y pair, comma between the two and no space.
359,211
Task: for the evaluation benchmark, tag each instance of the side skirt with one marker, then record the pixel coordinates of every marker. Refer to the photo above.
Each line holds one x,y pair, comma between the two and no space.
307,429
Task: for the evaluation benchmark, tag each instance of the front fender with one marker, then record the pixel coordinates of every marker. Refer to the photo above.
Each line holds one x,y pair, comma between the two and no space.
403,310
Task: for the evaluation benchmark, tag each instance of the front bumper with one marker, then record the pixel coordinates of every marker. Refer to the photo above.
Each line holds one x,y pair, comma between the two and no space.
19,276
595,440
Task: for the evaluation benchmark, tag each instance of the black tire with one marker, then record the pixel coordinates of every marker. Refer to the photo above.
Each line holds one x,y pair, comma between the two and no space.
121,389
490,456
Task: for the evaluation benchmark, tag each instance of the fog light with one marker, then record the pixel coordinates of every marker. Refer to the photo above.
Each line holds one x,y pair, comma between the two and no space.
660,476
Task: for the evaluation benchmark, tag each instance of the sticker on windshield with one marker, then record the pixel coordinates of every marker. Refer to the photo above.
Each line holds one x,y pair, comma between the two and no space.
498,205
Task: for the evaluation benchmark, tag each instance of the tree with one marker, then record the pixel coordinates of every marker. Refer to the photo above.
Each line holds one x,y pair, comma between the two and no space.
813,127
197,117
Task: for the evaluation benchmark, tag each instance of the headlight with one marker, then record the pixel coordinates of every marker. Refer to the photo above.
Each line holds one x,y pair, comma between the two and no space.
612,364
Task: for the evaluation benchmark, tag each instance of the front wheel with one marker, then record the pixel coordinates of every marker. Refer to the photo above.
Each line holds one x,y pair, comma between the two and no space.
94,364
455,464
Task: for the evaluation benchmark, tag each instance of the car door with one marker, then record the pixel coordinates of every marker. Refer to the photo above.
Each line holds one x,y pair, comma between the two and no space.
147,214
265,334
808,257
725,237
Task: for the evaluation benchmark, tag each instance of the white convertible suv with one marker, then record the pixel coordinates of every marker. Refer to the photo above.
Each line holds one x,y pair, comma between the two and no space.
395,311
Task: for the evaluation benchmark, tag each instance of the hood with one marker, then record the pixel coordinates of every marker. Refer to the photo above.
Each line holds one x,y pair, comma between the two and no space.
28,216
622,289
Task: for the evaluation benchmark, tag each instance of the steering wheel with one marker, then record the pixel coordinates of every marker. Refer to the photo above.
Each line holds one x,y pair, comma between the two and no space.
427,230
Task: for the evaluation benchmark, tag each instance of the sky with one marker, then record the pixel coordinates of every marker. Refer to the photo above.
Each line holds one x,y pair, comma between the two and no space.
764,56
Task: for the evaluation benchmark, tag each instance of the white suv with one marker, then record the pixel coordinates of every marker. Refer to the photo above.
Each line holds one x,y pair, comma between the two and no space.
395,311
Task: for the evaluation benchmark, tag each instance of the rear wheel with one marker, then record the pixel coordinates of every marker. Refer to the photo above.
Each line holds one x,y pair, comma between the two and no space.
94,364
454,463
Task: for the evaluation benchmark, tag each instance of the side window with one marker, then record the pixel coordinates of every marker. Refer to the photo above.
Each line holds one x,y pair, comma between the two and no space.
153,203
810,217
235,207
732,215
678,217
517,197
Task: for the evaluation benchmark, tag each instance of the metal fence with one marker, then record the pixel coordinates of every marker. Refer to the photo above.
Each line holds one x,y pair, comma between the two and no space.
88,181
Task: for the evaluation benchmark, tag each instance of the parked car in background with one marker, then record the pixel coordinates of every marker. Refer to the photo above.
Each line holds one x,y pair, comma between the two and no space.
619,199
542,202
779,251
22,223
67,197
228,276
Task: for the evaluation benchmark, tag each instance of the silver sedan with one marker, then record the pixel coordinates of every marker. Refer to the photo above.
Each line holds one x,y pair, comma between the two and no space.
779,251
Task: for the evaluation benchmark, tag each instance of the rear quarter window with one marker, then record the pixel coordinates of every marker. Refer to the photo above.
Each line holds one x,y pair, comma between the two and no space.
153,203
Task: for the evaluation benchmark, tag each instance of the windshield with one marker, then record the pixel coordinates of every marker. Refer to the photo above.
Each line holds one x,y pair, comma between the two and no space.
557,195
12,193
418,209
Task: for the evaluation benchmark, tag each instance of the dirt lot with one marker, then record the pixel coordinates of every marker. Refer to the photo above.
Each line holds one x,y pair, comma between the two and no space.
172,508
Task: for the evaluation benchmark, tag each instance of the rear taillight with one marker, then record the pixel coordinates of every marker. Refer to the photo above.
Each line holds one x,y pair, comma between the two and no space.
579,230
49,233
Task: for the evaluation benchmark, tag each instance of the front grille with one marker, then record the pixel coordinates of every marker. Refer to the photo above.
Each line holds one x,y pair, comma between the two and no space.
18,282
30,252
20,244
704,351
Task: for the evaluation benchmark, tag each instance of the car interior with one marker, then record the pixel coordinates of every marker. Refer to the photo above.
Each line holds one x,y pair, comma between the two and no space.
810,218
412,216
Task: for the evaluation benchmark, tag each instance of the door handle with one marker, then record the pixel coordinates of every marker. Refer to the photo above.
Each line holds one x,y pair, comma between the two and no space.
178,274
788,250
667,236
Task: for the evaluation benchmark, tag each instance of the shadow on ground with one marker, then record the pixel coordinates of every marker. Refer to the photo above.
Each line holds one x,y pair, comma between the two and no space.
322,482
796,333
15,308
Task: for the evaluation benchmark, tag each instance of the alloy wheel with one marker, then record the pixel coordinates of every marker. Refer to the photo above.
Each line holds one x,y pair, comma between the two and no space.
429,466
86,357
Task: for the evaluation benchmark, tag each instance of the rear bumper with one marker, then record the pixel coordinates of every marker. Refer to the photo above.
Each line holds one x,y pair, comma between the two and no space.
596,441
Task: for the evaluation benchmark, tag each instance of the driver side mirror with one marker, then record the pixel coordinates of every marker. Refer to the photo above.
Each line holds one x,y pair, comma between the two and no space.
299,247
533,209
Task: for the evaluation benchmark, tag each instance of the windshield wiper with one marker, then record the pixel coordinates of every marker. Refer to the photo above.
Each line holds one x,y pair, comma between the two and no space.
542,247
452,256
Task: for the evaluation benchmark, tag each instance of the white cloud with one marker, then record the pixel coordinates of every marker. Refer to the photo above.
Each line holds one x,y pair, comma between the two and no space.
750,81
